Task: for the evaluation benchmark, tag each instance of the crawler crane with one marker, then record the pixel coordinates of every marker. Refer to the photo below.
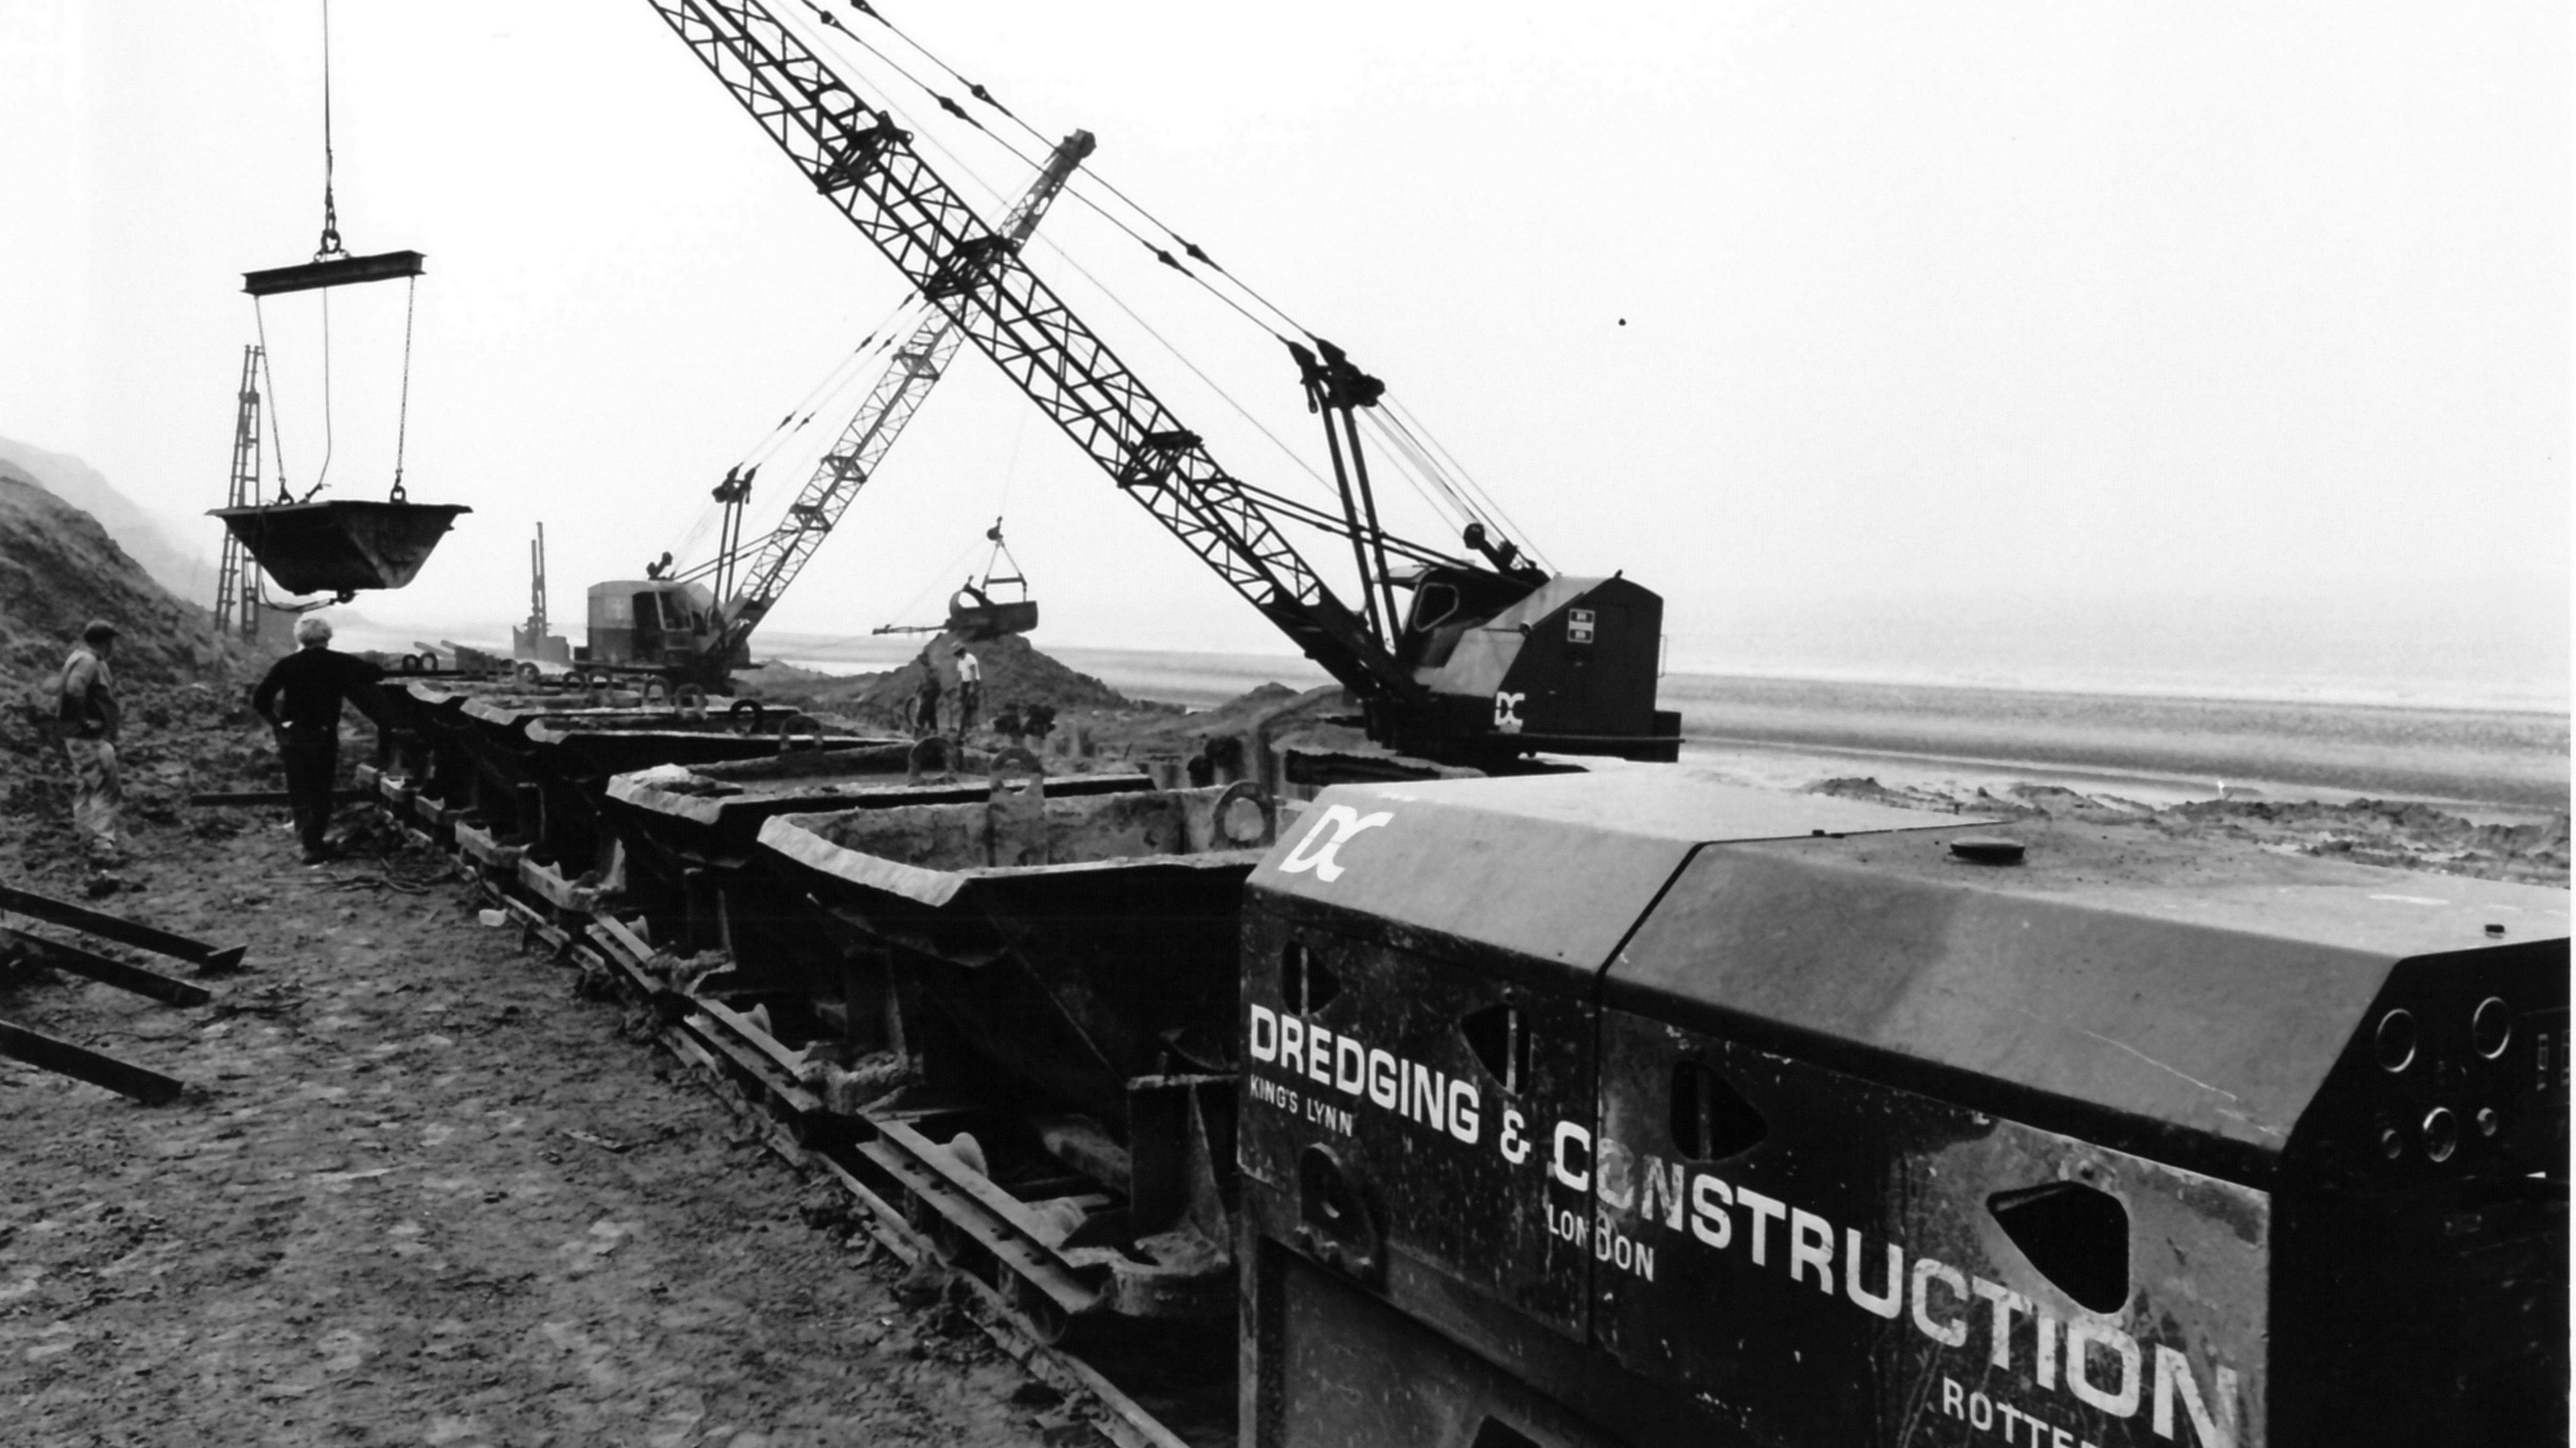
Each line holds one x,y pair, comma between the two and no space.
695,625
1488,661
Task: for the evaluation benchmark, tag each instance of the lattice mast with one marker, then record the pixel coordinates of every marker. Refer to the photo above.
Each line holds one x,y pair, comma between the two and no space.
865,164
845,467
237,578
538,625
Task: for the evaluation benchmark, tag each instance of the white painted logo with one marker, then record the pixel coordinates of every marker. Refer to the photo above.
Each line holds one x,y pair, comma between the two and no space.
1507,713
1315,852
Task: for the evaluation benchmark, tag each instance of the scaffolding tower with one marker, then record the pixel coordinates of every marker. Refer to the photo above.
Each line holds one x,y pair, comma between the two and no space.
237,586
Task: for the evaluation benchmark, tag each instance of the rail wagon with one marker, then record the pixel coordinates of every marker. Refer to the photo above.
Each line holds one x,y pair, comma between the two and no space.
1636,1108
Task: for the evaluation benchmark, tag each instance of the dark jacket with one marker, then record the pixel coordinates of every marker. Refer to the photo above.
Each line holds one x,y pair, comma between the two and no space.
304,691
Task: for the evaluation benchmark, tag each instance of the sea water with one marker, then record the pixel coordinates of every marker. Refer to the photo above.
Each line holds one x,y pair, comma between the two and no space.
2145,736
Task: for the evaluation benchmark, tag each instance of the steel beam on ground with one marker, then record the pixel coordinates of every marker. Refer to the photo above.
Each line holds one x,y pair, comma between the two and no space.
67,957
122,930
82,1064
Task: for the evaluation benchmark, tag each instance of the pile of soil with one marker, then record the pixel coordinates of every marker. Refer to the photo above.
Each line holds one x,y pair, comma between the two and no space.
1320,720
183,567
59,569
1016,676
2407,836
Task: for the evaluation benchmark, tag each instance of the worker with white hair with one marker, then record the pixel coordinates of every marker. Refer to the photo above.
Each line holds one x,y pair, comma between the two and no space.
302,697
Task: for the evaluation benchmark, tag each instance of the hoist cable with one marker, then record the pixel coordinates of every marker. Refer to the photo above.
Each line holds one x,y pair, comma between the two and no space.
1177,355
1420,467
402,412
1011,466
1484,504
1188,247
330,443
1425,479
1436,462
1485,501
276,426
960,556
931,140
330,205
844,370
1074,186
836,382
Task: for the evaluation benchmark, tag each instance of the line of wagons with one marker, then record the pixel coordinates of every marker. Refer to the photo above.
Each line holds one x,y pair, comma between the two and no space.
1591,1108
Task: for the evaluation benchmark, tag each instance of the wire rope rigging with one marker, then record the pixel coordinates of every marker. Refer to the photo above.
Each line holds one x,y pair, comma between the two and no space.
340,546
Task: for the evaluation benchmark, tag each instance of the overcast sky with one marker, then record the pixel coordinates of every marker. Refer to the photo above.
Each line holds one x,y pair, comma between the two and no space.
1843,311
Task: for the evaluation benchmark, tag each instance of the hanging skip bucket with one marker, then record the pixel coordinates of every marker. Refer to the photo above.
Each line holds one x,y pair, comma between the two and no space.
341,546
984,622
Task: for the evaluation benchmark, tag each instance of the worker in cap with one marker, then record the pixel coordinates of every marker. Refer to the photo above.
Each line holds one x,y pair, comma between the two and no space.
89,720
302,697
970,688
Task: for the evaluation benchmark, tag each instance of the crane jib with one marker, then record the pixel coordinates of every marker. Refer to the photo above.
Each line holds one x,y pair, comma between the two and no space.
867,167
845,467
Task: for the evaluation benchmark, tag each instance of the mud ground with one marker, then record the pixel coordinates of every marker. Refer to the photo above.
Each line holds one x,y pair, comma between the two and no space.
417,1192
421,1193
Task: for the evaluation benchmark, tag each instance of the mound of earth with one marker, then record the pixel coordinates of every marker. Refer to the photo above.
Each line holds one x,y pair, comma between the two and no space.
176,562
1319,719
1016,675
59,569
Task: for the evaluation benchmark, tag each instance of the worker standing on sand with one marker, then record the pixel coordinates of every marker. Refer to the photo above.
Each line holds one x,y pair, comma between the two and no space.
926,705
302,696
90,720
970,688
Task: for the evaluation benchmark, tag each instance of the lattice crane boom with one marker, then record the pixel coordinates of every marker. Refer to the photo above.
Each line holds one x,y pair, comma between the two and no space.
866,165
852,459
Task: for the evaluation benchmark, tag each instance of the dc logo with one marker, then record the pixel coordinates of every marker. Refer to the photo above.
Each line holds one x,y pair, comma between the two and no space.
1507,713
1315,851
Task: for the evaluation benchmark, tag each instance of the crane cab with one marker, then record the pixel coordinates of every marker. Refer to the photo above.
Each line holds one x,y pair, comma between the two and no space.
650,623
1565,664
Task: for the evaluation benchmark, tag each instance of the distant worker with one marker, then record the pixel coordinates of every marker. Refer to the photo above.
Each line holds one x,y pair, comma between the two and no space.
970,688
925,714
89,718
302,696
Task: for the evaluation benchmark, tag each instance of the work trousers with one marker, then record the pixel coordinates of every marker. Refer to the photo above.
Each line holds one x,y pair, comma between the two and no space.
969,696
311,757
98,794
